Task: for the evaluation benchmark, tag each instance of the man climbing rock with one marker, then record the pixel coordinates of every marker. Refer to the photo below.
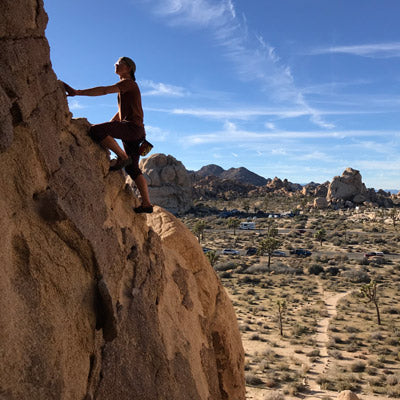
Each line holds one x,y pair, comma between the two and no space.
127,125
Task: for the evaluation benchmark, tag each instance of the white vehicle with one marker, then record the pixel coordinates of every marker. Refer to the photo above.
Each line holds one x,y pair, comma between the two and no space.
247,225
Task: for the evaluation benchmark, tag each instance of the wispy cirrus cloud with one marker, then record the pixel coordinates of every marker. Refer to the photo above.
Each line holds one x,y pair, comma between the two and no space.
239,136
151,88
243,113
372,50
252,56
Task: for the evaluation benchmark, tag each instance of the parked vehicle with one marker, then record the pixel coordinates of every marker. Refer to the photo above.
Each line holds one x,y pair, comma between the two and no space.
231,252
251,251
247,225
206,249
279,253
373,254
301,252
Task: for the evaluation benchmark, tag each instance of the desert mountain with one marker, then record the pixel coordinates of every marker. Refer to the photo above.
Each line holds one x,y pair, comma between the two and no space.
241,174
97,302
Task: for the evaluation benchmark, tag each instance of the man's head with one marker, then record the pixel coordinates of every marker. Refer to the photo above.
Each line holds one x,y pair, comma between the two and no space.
129,63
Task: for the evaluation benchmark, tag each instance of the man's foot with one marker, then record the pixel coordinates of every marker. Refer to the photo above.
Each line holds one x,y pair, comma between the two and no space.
120,163
143,209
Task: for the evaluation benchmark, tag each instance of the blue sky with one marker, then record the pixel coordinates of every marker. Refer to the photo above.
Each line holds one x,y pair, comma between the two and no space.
299,89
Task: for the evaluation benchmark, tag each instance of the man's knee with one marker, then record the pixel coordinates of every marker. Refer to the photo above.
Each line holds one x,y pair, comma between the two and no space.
97,133
133,171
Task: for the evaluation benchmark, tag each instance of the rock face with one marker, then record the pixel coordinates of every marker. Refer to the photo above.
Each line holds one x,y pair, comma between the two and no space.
97,302
347,187
350,189
169,182
347,395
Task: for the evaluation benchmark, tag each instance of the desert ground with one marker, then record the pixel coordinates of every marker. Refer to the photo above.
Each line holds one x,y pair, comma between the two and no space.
310,324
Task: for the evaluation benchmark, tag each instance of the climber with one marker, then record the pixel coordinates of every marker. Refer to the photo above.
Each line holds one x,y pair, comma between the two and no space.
127,125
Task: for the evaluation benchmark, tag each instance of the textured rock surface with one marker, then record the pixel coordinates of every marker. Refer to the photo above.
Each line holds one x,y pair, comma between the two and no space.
97,302
350,188
347,186
347,395
169,182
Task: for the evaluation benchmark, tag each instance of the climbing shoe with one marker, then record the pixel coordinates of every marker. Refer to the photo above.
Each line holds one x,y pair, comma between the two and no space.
143,209
120,163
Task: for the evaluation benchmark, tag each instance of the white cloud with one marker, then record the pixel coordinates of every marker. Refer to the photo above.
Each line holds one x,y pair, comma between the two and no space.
253,61
75,105
161,89
375,50
246,137
156,134
270,125
248,113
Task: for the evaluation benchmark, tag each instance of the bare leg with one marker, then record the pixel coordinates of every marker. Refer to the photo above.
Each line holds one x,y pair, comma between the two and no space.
144,191
110,143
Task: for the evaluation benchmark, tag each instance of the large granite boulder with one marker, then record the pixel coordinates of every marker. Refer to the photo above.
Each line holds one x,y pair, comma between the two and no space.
96,301
347,187
347,395
170,185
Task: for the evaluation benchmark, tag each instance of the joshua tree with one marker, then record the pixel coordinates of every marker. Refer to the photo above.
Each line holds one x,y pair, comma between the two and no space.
212,257
369,291
320,235
272,230
281,311
394,215
233,223
198,229
268,245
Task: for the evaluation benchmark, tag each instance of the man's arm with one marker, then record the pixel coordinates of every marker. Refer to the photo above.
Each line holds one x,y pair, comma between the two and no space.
98,91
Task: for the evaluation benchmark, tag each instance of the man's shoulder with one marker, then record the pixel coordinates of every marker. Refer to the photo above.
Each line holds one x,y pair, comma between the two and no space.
127,85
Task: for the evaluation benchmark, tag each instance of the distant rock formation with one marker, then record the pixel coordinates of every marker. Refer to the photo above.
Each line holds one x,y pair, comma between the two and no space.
277,184
169,182
348,190
241,174
96,301
212,187
245,176
211,169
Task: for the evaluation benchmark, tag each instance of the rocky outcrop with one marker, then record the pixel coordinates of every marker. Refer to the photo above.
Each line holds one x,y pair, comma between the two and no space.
347,395
347,187
97,302
213,187
169,183
350,188
277,184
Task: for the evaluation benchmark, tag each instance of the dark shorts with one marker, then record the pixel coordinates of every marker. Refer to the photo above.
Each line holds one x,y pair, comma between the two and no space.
130,134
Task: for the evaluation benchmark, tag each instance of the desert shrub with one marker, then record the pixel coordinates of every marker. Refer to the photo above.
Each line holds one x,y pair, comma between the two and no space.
336,354
226,275
281,268
313,353
333,271
257,269
225,266
274,395
254,380
351,329
315,269
358,366
393,380
300,330
249,279
356,276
